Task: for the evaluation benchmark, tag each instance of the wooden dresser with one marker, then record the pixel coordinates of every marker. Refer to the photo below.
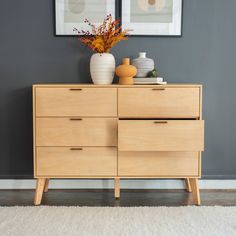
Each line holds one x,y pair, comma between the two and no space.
114,131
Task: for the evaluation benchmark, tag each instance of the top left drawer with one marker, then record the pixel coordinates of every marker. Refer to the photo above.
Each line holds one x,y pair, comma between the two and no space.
95,102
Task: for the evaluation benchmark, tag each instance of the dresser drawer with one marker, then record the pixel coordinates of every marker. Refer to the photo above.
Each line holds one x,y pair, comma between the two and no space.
159,102
76,102
154,135
65,161
76,132
159,164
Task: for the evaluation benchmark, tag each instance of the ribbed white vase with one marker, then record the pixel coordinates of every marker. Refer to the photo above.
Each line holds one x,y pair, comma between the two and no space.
102,68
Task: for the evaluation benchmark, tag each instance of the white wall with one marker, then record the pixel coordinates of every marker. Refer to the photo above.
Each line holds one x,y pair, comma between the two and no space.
125,184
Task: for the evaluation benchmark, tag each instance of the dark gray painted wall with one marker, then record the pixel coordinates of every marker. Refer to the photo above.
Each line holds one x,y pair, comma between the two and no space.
29,53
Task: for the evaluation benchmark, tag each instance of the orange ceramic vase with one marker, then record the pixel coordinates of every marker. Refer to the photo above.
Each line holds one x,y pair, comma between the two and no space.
126,72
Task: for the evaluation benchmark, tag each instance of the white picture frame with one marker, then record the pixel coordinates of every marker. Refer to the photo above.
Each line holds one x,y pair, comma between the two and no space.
66,20
173,28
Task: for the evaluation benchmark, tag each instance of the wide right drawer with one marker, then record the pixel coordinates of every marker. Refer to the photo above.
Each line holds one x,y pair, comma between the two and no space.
159,164
161,135
159,102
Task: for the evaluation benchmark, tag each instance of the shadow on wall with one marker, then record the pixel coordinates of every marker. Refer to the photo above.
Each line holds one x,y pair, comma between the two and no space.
84,69
83,55
18,132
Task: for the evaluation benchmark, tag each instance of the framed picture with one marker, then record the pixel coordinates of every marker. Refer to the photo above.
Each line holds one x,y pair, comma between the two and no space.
152,17
70,14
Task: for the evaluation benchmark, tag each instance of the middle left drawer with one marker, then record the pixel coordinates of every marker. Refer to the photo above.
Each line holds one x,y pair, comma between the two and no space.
76,131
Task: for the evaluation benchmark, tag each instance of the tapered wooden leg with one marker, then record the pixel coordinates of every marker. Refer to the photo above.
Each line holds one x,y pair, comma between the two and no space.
188,185
195,191
39,191
117,187
46,185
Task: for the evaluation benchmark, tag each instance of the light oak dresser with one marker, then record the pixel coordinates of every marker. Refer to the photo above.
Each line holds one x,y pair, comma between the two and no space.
117,131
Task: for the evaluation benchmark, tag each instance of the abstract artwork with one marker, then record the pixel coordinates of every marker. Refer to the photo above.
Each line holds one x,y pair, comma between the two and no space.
152,17
70,14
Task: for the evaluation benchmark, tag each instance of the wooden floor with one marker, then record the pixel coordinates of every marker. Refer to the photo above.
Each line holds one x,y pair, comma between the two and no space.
128,198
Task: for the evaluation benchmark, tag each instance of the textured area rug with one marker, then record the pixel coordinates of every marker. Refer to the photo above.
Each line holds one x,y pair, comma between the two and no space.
112,221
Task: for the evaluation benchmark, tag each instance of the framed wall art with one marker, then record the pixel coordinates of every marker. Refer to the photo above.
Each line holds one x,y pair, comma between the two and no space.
70,14
152,17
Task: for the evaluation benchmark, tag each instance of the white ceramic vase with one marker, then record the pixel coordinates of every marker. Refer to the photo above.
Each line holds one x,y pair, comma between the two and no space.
143,65
102,68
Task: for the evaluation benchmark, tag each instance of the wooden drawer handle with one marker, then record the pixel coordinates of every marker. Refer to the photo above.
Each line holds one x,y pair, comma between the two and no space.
158,89
75,89
76,149
160,122
76,119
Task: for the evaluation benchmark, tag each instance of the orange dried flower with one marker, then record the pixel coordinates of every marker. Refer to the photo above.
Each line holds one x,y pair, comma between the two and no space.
102,38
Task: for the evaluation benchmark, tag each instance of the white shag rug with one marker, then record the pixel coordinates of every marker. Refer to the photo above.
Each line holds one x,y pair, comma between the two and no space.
122,221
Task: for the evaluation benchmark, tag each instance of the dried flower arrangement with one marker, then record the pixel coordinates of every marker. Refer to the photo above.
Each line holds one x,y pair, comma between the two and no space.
102,38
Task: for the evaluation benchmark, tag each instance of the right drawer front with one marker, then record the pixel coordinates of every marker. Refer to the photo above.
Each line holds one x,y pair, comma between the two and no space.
159,164
76,132
159,102
152,135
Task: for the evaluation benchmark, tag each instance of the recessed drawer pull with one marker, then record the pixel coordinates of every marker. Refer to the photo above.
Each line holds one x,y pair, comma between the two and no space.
76,149
75,89
158,89
160,122
76,119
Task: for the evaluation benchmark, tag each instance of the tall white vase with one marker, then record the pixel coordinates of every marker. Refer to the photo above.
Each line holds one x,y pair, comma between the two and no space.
102,68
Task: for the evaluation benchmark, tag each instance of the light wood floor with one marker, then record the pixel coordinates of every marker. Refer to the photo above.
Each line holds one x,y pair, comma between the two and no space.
128,198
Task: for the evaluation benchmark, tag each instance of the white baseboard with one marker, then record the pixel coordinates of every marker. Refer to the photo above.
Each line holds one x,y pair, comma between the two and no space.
108,184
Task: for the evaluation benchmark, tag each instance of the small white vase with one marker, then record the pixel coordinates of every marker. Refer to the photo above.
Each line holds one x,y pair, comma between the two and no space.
143,65
102,68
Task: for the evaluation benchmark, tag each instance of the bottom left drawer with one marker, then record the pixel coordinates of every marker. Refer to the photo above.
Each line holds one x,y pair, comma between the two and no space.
76,161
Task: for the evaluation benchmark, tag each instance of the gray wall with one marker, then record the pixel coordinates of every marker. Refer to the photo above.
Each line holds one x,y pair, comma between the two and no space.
29,53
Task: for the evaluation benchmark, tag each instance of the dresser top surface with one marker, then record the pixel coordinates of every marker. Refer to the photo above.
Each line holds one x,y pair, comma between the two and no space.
179,85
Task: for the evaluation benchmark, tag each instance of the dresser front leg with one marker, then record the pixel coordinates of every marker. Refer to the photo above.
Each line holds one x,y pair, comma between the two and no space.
195,191
46,186
188,185
117,187
39,191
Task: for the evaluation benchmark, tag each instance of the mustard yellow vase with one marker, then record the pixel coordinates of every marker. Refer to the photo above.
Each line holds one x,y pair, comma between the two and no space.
126,72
